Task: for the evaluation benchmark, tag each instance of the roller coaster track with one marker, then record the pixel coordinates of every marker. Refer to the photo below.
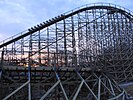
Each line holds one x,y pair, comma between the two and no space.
61,17
97,55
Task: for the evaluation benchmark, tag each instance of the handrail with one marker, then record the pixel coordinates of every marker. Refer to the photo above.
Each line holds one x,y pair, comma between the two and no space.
12,37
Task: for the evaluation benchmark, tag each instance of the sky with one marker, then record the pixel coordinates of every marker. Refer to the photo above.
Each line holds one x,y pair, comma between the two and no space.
19,15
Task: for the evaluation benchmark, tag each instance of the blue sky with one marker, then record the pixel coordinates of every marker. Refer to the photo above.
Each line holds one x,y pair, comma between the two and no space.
19,15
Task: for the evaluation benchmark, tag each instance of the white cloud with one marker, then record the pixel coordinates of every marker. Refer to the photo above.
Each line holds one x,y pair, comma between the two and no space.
15,12
15,17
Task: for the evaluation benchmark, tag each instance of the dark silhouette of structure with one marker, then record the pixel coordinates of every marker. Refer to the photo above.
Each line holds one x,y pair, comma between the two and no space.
80,55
